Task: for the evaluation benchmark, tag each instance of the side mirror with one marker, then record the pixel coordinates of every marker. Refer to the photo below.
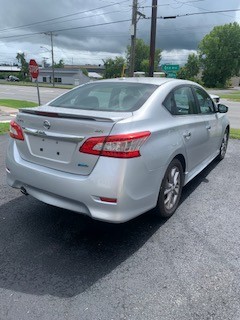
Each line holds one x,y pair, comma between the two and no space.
222,108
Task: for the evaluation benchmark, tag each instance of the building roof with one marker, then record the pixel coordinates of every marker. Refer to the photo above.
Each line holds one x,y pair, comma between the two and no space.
60,70
10,68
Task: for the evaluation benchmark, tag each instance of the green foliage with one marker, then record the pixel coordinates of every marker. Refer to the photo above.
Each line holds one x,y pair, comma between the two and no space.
142,52
24,74
3,75
233,96
144,66
220,54
4,128
191,68
12,103
85,72
235,133
60,64
114,67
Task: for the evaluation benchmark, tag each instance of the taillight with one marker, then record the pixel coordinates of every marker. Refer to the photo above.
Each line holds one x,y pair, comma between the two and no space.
16,131
117,146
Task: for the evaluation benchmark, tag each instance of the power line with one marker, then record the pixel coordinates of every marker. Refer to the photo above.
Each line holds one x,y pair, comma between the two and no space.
190,5
67,29
167,4
195,13
61,17
87,17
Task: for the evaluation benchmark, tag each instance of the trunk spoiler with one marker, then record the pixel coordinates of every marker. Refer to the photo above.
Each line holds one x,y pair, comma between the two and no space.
77,114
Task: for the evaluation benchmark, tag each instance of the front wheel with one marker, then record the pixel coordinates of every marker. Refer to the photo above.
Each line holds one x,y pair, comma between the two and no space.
170,190
224,144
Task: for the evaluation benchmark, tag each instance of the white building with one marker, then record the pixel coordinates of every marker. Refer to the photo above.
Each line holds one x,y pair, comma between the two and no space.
62,76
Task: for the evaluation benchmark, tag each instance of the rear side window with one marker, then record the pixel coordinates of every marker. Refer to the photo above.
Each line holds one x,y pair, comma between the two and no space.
106,96
181,102
205,102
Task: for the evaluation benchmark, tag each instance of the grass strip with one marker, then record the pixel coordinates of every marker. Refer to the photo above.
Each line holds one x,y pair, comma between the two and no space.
32,84
16,104
234,96
4,128
235,134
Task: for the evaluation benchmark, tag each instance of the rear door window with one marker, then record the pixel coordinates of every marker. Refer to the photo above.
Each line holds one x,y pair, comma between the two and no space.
206,104
181,101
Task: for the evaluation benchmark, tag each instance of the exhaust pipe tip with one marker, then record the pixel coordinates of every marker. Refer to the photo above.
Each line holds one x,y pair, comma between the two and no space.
24,191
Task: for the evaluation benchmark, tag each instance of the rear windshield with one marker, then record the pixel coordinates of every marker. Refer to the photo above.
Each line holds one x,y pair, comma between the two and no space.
106,96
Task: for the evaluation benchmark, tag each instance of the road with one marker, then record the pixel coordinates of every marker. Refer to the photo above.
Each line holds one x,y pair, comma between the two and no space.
47,94
29,93
58,265
234,107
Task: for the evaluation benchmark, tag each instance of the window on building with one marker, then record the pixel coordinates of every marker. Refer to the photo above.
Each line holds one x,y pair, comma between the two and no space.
59,80
44,79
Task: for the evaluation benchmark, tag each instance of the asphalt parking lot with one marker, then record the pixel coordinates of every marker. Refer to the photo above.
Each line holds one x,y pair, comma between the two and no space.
55,264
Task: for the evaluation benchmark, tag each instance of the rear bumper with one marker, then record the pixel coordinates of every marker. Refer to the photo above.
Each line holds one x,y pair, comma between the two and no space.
127,180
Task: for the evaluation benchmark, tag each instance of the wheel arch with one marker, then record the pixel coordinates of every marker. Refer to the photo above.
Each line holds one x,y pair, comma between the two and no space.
181,158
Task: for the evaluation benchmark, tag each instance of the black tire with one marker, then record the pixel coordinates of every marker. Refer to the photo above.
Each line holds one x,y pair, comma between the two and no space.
170,190
223,147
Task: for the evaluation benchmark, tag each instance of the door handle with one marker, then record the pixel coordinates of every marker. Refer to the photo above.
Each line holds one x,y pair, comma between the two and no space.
208,127
187,134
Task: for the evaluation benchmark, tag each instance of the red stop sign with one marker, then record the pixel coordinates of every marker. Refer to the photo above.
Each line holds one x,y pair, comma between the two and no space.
33,69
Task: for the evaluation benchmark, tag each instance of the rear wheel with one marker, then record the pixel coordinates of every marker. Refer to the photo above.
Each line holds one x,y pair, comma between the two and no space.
170,190
224,144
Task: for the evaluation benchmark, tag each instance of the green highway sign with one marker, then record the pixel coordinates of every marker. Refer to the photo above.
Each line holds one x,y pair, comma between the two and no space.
171,75
170,67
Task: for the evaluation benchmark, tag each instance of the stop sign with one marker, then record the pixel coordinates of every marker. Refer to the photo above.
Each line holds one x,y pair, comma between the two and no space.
33,69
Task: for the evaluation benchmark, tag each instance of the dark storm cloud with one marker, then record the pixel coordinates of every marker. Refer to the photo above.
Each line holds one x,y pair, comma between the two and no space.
179,33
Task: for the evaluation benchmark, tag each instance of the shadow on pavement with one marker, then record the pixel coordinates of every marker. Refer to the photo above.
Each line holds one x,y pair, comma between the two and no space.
46,250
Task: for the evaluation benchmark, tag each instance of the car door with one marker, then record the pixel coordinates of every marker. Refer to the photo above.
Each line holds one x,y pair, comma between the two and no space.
213,125
191,126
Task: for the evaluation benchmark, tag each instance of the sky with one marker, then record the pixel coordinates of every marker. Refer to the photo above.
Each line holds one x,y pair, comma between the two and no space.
88,32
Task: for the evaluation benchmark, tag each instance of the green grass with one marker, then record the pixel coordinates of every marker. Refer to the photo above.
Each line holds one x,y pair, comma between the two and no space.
11,103
234,96
33,84
4,128
235,134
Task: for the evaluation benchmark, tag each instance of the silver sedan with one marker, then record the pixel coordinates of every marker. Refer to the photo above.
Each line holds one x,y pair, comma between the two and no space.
114,149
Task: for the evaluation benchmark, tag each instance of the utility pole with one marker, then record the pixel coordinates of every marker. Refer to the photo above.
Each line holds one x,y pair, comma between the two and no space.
153,38
133,37
51,35
53,73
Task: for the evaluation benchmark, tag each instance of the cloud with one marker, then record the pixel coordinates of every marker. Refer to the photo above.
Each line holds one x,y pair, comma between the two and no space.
89,44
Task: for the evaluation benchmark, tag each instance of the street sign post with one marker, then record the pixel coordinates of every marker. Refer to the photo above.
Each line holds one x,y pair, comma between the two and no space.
34,71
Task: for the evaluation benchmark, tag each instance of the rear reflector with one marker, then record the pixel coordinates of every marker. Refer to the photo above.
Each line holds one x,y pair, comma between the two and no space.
16,131
117,146
110,200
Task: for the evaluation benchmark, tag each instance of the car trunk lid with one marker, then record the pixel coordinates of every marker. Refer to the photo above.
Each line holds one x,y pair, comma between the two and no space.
53,136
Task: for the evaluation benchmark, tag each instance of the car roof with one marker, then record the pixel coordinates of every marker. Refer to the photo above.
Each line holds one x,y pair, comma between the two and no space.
148,80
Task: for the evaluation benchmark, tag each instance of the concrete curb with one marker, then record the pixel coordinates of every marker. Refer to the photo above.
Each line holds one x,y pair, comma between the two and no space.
7,114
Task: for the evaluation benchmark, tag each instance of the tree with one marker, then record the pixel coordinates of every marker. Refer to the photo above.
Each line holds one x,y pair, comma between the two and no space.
85,72
114,67
191,68
142,52
24,65
220,54
60,64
